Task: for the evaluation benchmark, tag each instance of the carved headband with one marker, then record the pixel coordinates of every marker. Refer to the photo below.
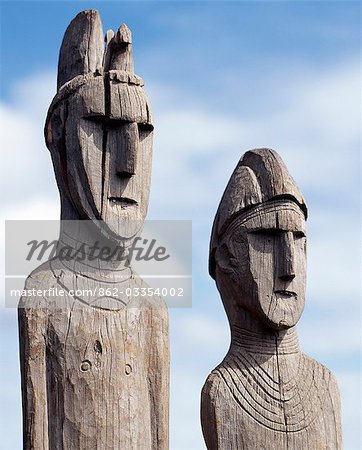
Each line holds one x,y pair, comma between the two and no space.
277,204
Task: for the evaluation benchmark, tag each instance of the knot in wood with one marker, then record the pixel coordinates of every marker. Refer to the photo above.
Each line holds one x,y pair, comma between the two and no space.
85,365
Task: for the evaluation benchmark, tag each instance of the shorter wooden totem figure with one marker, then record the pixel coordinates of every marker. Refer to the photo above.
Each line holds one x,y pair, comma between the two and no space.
95,358
266,394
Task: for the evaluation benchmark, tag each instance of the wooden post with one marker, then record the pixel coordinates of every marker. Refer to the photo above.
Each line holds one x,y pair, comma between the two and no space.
95,360
266,394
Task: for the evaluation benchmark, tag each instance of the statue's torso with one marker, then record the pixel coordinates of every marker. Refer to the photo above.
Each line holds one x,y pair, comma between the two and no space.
104,369
251,401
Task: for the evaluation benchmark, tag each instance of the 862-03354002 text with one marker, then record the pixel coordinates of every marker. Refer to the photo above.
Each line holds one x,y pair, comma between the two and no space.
99,292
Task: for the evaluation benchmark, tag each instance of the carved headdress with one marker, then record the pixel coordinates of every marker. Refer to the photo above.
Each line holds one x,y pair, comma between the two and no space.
84,56
83,52
259,177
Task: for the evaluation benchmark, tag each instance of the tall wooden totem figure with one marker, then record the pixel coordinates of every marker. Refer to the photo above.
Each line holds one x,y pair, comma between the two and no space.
266,394
95,367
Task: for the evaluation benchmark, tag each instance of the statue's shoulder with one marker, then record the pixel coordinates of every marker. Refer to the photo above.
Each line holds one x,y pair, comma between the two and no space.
41,276
325,396
148,297
216,407
322,376
37,283
316,366
214,385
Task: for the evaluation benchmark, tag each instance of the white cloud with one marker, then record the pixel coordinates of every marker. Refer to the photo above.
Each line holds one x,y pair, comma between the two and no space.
34,94
317,131
27,170
350,389
198,343
35,209
211,335
185,427
319,336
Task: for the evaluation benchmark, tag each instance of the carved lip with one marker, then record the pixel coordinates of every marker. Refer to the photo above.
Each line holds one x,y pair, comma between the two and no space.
123,201
286,293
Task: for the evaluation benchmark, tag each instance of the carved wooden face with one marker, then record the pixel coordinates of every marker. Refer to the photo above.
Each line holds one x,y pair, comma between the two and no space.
261,264
108,143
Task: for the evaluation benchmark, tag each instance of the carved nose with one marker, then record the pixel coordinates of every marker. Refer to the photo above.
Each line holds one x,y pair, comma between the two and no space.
287,277
287,269
127,150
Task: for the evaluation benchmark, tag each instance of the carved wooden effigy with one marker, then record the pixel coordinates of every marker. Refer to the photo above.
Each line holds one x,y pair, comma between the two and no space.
266,393
95,368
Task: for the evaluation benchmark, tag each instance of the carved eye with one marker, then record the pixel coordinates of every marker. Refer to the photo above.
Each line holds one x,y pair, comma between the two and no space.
117,123
266,232
239,238
96,118
299,235
145,127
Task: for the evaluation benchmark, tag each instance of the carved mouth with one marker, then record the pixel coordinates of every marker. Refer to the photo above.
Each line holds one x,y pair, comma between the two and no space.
124,202
286,293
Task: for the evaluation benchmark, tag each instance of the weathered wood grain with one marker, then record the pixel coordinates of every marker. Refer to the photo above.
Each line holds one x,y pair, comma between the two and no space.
82,47
265,394
95,361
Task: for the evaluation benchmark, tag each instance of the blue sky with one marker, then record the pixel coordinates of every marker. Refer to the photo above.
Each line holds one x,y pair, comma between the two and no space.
223,77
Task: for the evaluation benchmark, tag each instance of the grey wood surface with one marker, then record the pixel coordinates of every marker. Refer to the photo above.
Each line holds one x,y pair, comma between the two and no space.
95,367
265,394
